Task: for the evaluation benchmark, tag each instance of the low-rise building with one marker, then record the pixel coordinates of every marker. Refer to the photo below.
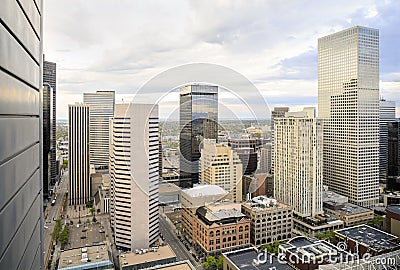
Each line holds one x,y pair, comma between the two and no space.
169,196
102,195
391,198
270,220
349,213
221,227
307,254
195,197
93,257
393,219
181,265
363,239
319,224
146,258
252,259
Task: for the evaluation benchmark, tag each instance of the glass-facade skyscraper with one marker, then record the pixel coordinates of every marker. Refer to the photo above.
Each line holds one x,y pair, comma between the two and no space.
348,102
198,118
49,126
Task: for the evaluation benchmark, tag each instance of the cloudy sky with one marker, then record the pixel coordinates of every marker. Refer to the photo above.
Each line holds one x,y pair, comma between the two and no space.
120,45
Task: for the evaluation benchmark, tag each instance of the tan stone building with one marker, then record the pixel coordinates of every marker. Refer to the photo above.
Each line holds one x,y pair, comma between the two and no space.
221,227
270,220
221,166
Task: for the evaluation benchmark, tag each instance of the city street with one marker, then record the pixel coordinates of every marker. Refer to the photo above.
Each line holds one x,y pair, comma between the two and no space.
52,213
168,231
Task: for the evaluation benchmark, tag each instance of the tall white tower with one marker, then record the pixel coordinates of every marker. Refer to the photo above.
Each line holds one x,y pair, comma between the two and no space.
348,101
134,175
298,162
78,154
101,110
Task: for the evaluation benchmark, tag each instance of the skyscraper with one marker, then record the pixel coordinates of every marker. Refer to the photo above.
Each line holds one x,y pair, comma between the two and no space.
298,162
221,166
78,154
134,175
387,113
49,126
265,162
101,110
394,149
348,101
198,116
21,193
276,113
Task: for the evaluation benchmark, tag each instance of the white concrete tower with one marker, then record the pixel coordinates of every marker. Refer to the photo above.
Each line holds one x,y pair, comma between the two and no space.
134,175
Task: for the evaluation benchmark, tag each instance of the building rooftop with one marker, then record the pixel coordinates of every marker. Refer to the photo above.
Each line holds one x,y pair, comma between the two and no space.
330,196
205,190
307,250
182,265
246,259
368,236
394,209
348,208
89,257
166,188
214,216
146,255
263,203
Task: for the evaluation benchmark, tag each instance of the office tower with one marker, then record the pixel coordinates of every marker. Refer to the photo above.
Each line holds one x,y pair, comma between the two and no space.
101,110
198,116
221,166
298,162
348,102
50,175
21,139
134,175
78,154
387,113
247,149
265,162
394,149
276,113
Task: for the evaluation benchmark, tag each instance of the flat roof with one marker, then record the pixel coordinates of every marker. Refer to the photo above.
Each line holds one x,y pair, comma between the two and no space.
165,188
95,255
182,265
323,251
351,209
245,259
394,209
205,190
148,255
368,236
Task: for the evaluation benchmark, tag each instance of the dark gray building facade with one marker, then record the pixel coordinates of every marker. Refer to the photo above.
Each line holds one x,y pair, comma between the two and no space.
198,117
21,135
50,175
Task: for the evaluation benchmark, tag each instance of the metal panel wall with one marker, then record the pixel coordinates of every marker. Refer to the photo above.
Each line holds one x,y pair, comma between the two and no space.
20,135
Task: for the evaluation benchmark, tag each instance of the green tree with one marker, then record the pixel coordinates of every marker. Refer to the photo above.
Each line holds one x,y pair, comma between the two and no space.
64,236
92,210
220,262
57,230
377,222
65,164
210,263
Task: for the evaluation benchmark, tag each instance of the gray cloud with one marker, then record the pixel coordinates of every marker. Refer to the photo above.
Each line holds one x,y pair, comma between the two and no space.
120,45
